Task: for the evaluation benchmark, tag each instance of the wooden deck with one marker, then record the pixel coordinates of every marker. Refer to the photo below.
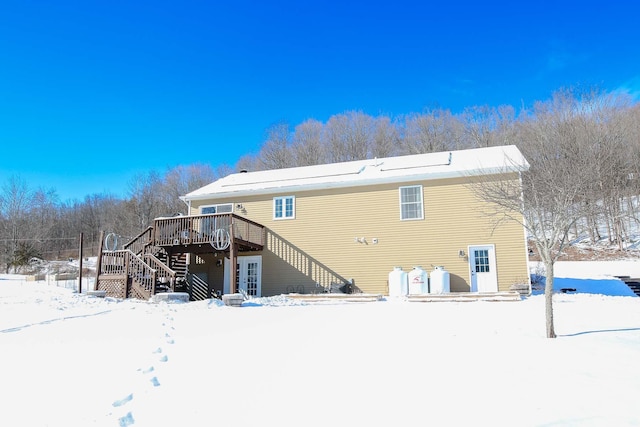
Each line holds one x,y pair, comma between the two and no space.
217,232
146,265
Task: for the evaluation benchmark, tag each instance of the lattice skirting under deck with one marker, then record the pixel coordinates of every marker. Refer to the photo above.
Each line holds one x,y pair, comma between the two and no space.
114,288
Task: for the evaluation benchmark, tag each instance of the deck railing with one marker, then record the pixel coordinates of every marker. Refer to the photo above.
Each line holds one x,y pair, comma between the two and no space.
113,263
207,229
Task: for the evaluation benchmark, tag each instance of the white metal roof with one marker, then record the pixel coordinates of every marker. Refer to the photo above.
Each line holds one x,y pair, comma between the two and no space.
449,164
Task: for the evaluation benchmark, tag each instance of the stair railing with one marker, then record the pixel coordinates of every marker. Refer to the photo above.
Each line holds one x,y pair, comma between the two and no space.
164,274
138,244
141,275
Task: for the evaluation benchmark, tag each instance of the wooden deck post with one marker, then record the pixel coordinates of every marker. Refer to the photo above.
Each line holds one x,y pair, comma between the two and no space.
99,263
126,275
233,264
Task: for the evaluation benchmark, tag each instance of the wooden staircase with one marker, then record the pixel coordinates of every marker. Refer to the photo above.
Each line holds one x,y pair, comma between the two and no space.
140,270
632,283
155,260
178,264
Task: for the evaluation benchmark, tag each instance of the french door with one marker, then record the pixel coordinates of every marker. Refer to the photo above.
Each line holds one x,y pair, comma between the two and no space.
248,275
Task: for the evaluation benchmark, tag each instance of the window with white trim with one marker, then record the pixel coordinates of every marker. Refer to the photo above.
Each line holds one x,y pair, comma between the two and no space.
284,207
411,206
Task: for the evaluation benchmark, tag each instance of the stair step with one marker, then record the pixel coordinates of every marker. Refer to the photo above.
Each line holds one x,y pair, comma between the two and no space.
632,283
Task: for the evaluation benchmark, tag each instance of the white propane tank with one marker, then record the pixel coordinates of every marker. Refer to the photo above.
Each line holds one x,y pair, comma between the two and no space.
398,283
418,281
440,281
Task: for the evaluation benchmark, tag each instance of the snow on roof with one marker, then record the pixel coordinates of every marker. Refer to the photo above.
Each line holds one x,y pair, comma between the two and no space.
449,164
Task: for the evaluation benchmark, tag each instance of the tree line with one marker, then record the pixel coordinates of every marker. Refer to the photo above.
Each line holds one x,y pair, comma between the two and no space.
595,133
34,223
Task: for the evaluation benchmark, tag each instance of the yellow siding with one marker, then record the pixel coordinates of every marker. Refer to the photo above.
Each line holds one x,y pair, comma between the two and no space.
319,244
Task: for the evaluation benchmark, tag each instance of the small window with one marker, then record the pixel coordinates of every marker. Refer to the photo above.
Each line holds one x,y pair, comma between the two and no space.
411,203
284,207
213,209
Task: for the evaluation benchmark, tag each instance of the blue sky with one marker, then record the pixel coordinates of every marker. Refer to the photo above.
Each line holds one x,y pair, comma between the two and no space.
93,93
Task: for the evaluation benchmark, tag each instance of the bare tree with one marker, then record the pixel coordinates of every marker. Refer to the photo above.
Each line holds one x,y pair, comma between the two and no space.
181,180
276,150
249,162
386,138
487,126
42,218
308,148
97,212
144,203
608,133
15,201
431,131
349,136
28,220
547,199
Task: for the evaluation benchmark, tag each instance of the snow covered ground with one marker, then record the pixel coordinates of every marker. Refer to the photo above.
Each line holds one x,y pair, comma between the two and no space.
74,360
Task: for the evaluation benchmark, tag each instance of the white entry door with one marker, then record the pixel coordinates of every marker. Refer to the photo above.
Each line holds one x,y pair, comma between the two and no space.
482,265
248,275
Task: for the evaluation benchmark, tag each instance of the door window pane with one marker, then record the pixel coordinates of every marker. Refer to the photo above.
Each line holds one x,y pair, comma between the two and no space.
252,278
481,260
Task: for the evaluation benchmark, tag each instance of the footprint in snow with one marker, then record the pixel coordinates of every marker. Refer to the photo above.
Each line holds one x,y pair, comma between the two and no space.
122,401
127,420
162,358
155,382
168,327
147,370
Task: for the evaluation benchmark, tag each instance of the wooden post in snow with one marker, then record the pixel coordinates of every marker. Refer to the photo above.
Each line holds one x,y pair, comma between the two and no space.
99,262
80,264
